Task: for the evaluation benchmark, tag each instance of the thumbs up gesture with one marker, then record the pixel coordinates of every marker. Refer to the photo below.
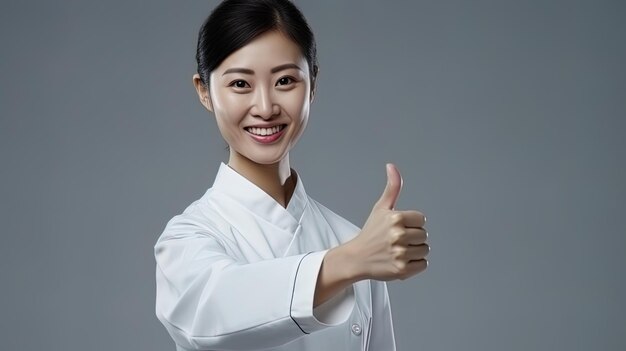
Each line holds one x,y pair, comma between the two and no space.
392,244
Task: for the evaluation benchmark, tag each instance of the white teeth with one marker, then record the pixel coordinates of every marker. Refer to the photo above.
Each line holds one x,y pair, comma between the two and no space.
264,131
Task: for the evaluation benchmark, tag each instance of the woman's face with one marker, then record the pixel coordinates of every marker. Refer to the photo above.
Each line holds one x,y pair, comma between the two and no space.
266,83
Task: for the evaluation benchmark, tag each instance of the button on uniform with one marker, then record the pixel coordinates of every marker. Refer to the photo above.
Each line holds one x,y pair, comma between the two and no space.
356,329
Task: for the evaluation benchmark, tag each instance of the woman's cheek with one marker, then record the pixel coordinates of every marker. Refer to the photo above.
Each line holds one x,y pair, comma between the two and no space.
296,101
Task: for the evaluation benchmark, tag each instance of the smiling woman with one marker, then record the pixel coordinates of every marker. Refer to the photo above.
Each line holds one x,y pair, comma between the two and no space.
261,108
256,263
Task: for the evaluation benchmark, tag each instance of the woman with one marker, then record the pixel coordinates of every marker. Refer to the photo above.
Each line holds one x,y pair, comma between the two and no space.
256,263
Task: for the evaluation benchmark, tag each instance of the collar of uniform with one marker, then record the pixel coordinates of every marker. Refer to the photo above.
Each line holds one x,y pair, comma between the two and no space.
247,194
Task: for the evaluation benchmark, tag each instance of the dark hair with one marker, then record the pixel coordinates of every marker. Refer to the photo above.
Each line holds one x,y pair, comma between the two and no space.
234,23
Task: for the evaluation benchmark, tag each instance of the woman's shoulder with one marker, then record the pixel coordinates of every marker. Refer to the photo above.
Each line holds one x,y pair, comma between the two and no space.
198,218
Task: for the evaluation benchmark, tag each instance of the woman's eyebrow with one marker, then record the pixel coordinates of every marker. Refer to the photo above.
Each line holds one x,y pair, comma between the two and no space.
285,66
273,70
238,70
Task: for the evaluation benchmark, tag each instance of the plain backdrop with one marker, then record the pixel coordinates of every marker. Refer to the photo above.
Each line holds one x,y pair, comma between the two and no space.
506,120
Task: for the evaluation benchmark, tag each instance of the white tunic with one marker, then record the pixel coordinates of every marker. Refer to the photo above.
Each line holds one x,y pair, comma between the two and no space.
237,271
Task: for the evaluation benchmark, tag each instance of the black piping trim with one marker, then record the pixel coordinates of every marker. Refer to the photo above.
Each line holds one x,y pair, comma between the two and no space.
293,291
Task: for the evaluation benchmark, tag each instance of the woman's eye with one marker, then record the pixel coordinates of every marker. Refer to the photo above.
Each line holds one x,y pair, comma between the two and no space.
285,80
239,83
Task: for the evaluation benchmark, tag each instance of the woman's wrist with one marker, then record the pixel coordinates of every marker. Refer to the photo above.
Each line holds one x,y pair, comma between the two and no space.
351,265
338,271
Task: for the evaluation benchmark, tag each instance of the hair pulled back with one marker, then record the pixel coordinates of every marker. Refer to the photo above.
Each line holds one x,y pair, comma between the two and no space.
234,23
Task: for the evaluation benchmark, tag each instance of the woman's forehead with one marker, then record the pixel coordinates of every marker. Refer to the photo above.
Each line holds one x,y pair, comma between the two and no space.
265,52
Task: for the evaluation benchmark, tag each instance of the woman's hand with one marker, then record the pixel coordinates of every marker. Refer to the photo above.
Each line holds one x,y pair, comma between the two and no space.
392,244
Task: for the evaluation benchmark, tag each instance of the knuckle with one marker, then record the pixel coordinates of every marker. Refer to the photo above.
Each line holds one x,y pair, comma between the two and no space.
396,235
396,218
400,267
399,253
409,271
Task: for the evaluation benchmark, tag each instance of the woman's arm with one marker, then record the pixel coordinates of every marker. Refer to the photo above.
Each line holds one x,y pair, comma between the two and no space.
337,273
207,300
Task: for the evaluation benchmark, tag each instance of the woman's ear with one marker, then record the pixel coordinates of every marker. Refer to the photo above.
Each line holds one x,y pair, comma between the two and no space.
313,87
203,92
312,92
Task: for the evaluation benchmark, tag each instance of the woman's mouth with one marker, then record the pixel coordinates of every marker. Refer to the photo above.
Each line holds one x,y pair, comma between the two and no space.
266,135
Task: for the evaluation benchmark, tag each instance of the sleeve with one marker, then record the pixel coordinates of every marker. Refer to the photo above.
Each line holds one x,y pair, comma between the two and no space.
208,300
382,335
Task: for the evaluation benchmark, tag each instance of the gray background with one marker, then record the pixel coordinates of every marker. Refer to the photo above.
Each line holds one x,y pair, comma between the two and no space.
506,120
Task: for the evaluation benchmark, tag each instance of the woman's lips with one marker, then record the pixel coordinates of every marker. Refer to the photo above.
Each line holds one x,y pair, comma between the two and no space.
267,139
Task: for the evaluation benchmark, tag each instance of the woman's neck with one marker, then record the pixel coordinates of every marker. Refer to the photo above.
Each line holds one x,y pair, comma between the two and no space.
275,179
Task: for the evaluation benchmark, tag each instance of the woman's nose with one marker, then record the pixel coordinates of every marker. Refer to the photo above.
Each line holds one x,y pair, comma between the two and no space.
263,105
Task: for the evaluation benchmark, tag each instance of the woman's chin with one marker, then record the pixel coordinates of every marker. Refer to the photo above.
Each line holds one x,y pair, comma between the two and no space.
265,158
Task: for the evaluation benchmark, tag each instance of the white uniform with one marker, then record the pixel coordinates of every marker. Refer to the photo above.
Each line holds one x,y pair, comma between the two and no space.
237,271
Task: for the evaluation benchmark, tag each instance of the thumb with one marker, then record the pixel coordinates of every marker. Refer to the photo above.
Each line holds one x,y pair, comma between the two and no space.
392,189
